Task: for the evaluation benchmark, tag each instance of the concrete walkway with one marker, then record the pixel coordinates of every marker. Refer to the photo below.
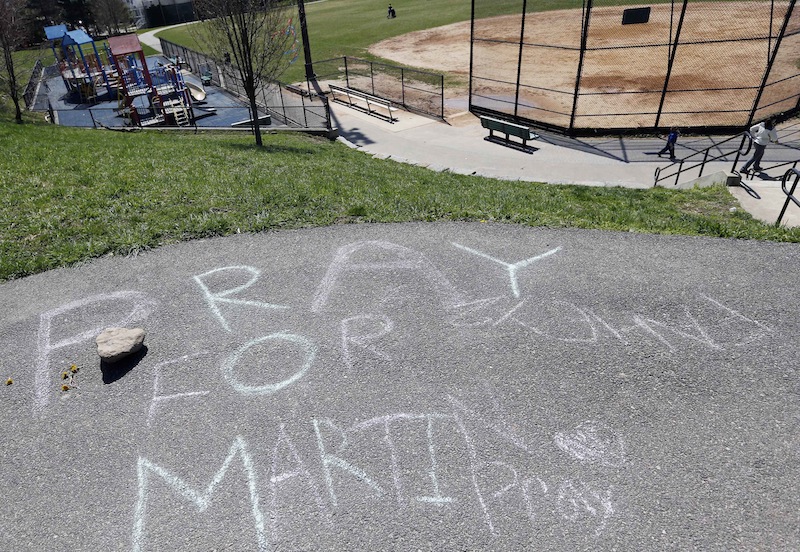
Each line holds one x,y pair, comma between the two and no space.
149,38
460,146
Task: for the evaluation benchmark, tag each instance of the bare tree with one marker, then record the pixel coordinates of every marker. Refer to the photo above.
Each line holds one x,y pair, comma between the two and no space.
12,33
111,14
252,34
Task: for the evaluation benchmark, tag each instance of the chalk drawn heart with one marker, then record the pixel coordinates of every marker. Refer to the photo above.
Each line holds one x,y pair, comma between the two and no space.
593,442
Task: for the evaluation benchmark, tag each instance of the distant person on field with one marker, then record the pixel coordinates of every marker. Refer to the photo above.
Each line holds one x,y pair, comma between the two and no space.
762,134
391,14
672,139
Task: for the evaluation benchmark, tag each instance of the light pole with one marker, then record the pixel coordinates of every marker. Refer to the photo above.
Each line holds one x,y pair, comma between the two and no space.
301,8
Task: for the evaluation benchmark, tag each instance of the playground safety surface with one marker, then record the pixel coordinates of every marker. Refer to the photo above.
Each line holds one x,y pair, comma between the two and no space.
220,108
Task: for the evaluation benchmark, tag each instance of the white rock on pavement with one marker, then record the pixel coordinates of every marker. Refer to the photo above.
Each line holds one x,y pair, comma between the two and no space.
114,344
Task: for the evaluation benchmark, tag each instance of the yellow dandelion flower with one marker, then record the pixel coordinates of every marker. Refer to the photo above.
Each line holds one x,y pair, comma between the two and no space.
64,375
65,387
9,381
73,369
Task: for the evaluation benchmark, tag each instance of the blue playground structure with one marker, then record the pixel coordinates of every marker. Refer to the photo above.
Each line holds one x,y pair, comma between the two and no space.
148,96
145,96
119,87
82,68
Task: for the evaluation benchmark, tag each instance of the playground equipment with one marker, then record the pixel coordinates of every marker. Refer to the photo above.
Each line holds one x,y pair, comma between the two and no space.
149,97
82,68
197,93
145,96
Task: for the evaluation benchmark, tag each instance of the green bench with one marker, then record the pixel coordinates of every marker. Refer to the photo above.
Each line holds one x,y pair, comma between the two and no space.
509,129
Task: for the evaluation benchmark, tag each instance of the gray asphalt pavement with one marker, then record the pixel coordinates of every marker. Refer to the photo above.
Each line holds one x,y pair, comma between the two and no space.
408,387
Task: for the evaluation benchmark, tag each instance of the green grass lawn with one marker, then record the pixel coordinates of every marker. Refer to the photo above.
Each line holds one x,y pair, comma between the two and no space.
348,27
72,194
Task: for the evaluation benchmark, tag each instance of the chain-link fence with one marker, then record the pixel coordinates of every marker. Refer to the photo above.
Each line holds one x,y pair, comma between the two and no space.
296,110
414,90
30,90
598,66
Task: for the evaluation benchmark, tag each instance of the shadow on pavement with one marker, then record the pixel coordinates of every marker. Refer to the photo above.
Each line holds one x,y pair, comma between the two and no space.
114,371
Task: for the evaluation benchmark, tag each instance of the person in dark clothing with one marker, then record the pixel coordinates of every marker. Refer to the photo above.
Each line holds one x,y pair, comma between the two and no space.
391,14
672,139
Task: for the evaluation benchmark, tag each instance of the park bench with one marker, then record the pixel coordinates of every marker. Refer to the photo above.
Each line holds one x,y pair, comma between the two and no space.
206,76
509,129
364,101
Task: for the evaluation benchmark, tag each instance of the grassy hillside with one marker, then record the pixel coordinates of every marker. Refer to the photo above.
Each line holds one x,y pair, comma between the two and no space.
72,194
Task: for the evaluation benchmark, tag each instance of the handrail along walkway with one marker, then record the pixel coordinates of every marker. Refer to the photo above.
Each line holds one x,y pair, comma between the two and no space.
369,99
741,150
789,194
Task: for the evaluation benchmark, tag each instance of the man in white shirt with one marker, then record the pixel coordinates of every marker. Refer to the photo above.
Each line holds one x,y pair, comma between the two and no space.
762,134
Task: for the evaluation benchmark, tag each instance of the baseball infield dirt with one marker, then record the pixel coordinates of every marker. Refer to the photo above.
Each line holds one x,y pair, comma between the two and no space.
718,68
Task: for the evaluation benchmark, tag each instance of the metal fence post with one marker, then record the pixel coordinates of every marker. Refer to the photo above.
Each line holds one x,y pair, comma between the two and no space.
519,60
770,62
471,55
441,94
372,76
328,121
584,39
402,86
670,63
346,73
283,104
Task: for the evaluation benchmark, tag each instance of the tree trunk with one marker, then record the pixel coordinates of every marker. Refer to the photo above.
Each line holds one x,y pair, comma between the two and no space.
18,114
250,91
11,75
256,122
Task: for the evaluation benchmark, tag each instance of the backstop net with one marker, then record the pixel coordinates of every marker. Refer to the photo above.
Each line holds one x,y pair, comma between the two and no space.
594,65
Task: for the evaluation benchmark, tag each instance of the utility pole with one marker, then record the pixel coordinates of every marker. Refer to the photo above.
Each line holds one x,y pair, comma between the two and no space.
306,47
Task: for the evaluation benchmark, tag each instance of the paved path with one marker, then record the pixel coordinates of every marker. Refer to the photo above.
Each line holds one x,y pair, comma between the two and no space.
460,146
150,38
408,387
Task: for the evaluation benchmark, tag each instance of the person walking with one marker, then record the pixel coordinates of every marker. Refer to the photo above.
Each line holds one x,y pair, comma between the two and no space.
762,134
672,139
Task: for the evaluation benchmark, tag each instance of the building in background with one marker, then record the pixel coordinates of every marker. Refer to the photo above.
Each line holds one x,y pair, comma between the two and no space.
137,12
166,12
